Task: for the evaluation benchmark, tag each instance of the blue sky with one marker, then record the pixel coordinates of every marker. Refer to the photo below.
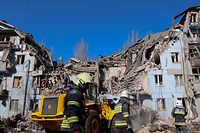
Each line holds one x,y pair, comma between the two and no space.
104,24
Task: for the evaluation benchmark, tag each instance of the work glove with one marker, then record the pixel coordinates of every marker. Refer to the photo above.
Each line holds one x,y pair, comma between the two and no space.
77,131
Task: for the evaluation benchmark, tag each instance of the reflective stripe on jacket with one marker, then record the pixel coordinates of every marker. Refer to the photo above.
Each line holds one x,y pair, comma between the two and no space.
120,123
65,125
179,114
121,117
74,108
2,126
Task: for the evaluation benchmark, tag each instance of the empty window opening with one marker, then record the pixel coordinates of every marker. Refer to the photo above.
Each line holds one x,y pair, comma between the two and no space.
161,104
17,82
196,74
193,17
175,57
3,83
193,52
14,105
158,80
20,59
149,52
179,79
3,38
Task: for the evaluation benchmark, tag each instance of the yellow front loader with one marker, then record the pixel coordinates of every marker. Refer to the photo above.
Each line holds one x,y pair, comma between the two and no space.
50,114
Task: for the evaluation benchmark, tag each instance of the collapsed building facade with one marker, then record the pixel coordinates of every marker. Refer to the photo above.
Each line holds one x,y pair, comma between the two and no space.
156,70
23,63
160,68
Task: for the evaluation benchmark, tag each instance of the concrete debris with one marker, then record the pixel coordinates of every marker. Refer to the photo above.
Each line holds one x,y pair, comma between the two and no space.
141,117
156,70
21,124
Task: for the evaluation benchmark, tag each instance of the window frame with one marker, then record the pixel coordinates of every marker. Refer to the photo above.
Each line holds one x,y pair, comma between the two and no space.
193,16
20,60
175,57
161,102
14,106
19,81
178,79
193,52
194,75
158,78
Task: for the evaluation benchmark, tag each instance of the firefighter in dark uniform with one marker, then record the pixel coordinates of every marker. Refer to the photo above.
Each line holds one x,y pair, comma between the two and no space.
2,126
74,104
179,112
121,120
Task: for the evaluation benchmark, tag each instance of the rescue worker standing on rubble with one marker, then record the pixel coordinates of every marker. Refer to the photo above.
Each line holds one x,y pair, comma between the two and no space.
179,112
121,120
74,104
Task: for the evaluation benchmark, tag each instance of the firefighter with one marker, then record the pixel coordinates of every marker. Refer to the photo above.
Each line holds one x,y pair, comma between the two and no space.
122,122
179,112
74,104
2,126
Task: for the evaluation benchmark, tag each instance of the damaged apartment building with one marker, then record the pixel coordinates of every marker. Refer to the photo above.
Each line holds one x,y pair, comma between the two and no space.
160,68
23,64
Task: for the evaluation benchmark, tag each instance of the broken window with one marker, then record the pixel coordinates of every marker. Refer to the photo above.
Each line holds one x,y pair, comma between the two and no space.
2,83
14,105
20,59
3,38
179,79
175,57
196,74
158,80
17,81
161,104
193,52
193,17
149,52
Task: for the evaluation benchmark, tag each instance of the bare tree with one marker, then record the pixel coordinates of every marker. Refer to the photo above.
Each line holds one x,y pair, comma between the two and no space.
81,50
132,39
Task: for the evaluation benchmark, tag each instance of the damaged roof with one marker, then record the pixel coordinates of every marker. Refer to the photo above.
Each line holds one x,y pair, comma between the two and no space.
41,52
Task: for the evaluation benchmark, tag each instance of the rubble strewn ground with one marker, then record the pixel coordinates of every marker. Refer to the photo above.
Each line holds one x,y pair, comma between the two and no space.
148,123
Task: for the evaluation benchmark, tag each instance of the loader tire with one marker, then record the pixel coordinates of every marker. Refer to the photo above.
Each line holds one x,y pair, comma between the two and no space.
93,123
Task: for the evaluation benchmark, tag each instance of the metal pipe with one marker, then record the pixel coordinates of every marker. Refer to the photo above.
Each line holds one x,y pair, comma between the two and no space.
26,86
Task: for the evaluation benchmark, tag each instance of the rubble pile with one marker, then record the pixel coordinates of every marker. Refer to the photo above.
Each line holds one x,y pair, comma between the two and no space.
20,124
139,58
194,125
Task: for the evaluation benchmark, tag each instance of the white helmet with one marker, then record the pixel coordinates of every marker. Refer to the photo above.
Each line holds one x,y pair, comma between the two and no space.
179,103
124,93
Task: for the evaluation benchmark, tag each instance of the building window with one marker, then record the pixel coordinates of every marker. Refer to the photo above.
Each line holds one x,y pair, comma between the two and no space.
196,74
161,104
3,38
17,82
158,80
179,79
20,59
193,52
193,18
175,57
14,105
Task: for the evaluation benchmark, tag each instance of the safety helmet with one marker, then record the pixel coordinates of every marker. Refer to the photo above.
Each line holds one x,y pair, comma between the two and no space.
179,103
124,93
82,78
